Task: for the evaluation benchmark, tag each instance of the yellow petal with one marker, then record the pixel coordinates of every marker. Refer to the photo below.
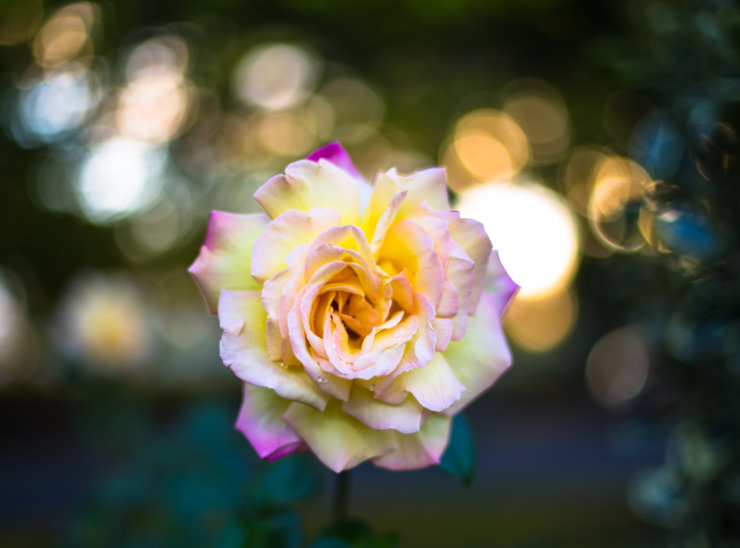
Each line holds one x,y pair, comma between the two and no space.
224,260
340,441
406,417
284,234
308,184
243,348
481,356
412,451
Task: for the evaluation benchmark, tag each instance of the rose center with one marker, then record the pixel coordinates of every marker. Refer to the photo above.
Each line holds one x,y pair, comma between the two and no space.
346,305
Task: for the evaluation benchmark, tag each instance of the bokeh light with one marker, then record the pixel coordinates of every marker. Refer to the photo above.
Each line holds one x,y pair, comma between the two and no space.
534,231
276,76
66,35
57,103
119,177
157,99
542,115
487,145
618,366
615,203
104,322
539,325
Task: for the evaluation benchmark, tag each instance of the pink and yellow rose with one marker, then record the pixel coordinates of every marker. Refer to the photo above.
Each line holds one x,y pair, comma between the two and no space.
354,313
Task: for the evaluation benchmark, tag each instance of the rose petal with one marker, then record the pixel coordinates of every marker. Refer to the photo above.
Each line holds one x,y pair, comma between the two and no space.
425,340
224,260
261,421
418,352
434,386
338,440
499,283
406,417
335,153
273,340
358,273
333,385
435,223
309,184
428,185
461,272
285,233
347,237
449,302
473,239
300,317
481,356
402,293
408,248
443,327
378,362
323,377
386,198
243,349
425,448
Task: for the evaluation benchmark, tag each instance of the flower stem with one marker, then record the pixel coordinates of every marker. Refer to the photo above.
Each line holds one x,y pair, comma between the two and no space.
341,495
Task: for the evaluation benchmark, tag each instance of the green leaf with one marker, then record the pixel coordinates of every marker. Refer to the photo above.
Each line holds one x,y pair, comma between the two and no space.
286,481
459,458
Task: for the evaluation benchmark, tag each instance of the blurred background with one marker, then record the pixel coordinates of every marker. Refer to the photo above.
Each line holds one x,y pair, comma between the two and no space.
595,140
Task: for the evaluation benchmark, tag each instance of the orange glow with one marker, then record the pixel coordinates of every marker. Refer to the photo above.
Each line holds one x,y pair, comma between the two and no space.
487,145
65,35
483,155
542,324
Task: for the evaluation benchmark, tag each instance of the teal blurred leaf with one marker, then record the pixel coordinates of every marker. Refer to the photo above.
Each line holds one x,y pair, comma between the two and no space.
231,535
286,481
459,458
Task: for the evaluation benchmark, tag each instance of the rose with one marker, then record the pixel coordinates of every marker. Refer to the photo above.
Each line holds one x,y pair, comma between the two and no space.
348,313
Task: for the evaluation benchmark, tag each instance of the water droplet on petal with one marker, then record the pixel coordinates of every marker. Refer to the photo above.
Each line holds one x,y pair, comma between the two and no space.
321,379
372,387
